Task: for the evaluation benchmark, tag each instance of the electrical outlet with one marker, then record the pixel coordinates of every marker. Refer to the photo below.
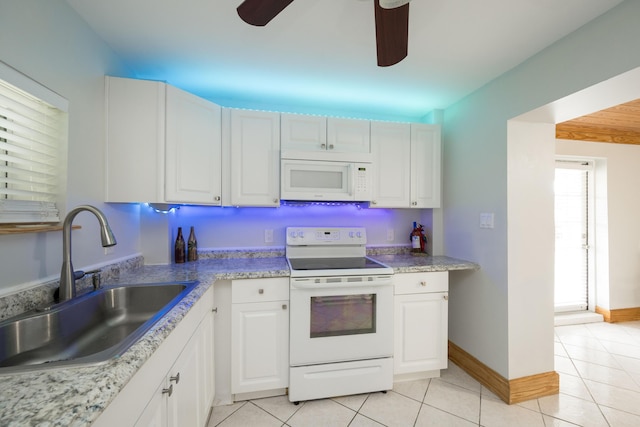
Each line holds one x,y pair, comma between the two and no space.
390,235
268,235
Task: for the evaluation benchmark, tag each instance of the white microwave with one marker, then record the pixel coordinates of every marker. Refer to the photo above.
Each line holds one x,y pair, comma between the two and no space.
325,180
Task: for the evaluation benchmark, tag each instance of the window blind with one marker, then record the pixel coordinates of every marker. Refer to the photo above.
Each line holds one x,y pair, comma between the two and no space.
32,133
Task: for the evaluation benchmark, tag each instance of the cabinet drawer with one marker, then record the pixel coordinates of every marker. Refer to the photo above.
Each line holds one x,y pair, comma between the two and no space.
259,290
419,283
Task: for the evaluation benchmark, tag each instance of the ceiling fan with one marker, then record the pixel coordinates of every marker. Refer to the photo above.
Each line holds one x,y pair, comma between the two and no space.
392,24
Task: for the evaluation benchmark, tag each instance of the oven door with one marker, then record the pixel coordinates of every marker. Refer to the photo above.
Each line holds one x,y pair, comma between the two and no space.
340,319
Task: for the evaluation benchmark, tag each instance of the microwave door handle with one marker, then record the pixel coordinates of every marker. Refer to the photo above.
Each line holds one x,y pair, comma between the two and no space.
351,179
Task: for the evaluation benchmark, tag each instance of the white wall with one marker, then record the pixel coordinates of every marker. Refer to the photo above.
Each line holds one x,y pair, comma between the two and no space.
486,307
621,289
49,42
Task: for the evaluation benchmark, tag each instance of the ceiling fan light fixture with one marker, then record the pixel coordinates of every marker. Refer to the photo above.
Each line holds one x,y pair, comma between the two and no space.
392,4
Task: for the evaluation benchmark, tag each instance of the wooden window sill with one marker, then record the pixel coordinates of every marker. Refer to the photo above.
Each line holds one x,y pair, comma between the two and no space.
32,228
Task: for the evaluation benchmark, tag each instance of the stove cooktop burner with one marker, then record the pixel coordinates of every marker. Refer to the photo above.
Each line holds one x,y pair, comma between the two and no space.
333,263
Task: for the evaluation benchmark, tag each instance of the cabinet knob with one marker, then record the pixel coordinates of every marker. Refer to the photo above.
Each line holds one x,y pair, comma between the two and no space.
330,146
445,297
168,391
275,201
414,203
175,378
284,306
323,146
423,283
261,291
373,202
214,309
217,198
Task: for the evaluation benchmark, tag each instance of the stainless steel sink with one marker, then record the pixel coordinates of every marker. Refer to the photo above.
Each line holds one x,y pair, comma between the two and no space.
92,328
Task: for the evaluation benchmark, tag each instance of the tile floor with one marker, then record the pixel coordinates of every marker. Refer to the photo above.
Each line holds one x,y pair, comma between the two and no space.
598,363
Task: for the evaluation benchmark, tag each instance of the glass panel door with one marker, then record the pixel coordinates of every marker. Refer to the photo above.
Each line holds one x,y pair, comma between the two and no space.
572,235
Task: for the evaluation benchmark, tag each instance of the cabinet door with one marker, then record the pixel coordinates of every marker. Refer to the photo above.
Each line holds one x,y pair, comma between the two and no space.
425,166
391,149
193,148
184,377
348,135
421,322
155,413
260,346
303,133
206,387
134,140
255,158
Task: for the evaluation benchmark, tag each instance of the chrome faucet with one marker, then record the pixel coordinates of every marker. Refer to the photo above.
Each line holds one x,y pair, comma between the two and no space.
67,275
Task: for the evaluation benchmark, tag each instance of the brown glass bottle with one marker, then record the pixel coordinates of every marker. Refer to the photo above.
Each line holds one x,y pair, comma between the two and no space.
179,248
192,246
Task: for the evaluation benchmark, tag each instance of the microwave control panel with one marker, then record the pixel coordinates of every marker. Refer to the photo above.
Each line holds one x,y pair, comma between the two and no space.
362,182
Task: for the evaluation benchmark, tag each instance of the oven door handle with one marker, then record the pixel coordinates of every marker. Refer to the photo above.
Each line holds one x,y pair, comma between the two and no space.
342,285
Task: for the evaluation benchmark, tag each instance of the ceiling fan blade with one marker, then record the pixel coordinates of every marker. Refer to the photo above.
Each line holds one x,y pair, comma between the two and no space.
392,34
260,12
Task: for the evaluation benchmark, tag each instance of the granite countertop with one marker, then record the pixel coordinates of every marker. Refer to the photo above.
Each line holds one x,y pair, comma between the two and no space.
407,263
76,396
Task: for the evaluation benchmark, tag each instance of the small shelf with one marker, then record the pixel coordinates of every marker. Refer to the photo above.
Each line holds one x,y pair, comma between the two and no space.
32,228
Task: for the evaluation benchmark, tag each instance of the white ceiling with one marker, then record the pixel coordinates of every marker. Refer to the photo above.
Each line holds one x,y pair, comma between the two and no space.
320,55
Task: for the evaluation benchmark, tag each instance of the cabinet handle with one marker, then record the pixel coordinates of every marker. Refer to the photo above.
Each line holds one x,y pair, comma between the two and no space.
176,379
275,201
215,309
323,146
445,297
261,291
330,146
414,203
423,283
373,202
217,198
284,306
168,391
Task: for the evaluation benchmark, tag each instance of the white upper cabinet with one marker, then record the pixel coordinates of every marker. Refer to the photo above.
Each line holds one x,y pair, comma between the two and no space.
162,144
407,159
254,149
303,133
348,135
391,149
426,163
316,133
193,148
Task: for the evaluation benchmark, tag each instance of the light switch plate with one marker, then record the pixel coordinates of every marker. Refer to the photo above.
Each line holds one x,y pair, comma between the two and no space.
390,235
487,220
268,235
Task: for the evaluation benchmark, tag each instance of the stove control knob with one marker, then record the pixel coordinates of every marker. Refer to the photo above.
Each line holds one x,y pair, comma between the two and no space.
358,234
351,234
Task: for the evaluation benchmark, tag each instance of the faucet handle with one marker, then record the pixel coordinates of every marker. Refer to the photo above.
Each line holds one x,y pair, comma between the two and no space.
78,274
96,278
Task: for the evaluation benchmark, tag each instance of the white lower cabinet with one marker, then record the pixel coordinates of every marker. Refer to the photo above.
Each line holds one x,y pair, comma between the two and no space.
421,324
175,387
260,335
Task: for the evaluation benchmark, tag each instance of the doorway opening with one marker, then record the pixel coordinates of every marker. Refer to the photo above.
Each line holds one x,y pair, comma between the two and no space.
574,230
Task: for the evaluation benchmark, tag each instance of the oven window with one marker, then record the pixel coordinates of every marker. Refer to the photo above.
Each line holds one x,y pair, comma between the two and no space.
343,315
